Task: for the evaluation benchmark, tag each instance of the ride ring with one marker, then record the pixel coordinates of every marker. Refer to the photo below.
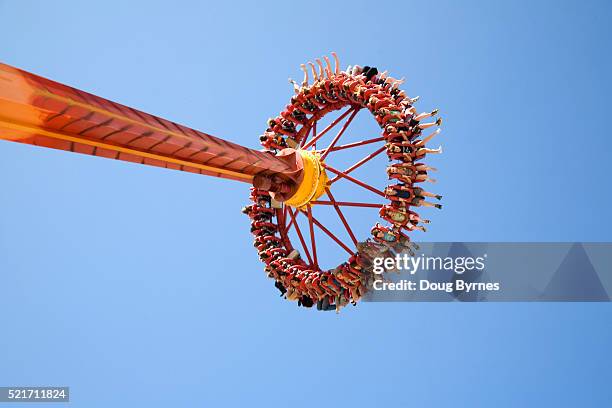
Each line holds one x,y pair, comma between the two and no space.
298,275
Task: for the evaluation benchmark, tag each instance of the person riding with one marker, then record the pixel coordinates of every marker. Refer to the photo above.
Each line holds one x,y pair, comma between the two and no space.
415,195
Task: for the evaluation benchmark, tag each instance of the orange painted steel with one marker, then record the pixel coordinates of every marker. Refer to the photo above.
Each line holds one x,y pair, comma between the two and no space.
41,112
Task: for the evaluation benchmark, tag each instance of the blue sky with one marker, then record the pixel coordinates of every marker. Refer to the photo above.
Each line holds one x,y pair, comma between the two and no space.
114,279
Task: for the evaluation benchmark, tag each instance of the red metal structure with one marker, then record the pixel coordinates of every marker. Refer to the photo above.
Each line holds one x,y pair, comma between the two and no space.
288,177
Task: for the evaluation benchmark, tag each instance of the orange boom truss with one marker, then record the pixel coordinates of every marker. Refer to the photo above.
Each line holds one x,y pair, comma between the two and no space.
40,112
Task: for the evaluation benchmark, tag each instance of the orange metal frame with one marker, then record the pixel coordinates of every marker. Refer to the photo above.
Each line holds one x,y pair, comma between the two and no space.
37,111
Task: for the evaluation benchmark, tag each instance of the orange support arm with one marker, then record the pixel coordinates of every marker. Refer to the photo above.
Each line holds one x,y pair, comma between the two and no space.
37,111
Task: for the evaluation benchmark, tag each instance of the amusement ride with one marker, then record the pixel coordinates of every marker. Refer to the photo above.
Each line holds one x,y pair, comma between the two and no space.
293,173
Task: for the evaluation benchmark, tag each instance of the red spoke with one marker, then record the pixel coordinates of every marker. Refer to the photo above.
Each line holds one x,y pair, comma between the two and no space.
290,222
357,144
307,133
333,143
280,216
359,163
312,238
327,129
348,229
314,132
354,180
332,236
347,204
299,234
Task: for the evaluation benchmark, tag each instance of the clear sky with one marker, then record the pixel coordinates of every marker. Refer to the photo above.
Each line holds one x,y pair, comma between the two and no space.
138,286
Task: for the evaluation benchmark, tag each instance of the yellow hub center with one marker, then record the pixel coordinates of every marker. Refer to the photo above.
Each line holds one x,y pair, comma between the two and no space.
314,181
